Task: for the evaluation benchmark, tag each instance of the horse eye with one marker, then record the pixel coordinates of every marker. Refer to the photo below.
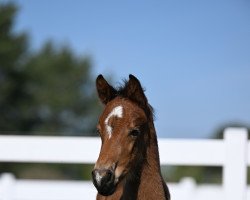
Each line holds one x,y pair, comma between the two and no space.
134,133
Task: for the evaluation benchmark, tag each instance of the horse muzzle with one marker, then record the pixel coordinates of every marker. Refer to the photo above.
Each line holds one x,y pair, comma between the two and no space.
104,181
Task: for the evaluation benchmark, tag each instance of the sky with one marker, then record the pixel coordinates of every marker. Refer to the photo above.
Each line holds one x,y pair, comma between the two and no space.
192,57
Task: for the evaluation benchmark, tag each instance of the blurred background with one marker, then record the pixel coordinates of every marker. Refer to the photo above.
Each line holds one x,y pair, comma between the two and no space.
193,57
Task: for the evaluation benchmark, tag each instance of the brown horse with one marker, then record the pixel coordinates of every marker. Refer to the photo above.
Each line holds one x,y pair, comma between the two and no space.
128,166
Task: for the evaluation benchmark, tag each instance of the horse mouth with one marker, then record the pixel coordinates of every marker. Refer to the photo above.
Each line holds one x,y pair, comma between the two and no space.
105,189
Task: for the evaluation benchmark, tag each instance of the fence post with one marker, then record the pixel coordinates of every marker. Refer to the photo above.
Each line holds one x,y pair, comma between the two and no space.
188,187
235,166
6,186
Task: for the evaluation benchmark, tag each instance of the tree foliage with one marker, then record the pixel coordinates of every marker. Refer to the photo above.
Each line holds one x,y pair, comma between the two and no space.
13,50
48,91
63,92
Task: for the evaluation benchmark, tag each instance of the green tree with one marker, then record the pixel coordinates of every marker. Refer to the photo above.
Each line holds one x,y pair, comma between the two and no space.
13,50
51,90
64,98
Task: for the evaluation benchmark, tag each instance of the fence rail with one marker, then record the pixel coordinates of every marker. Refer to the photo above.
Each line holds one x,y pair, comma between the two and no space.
232,153
14,189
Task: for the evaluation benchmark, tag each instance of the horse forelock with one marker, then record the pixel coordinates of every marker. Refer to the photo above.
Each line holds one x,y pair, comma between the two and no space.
121,91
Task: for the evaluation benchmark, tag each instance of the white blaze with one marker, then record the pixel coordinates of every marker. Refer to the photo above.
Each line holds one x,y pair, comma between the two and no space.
118,112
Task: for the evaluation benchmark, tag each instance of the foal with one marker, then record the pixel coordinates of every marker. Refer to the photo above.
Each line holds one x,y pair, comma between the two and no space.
128,167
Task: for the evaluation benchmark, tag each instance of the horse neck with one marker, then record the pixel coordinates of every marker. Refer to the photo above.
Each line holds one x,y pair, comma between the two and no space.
147,172
151,166
152,185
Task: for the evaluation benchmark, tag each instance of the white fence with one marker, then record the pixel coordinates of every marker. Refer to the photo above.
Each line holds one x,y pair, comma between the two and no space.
232,153
12,189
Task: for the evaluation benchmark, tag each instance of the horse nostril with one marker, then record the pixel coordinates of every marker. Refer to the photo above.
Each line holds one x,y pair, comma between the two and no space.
102,177
109,175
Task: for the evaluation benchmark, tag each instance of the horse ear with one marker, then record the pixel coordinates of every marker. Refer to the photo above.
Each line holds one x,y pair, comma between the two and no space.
135,92
105,91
